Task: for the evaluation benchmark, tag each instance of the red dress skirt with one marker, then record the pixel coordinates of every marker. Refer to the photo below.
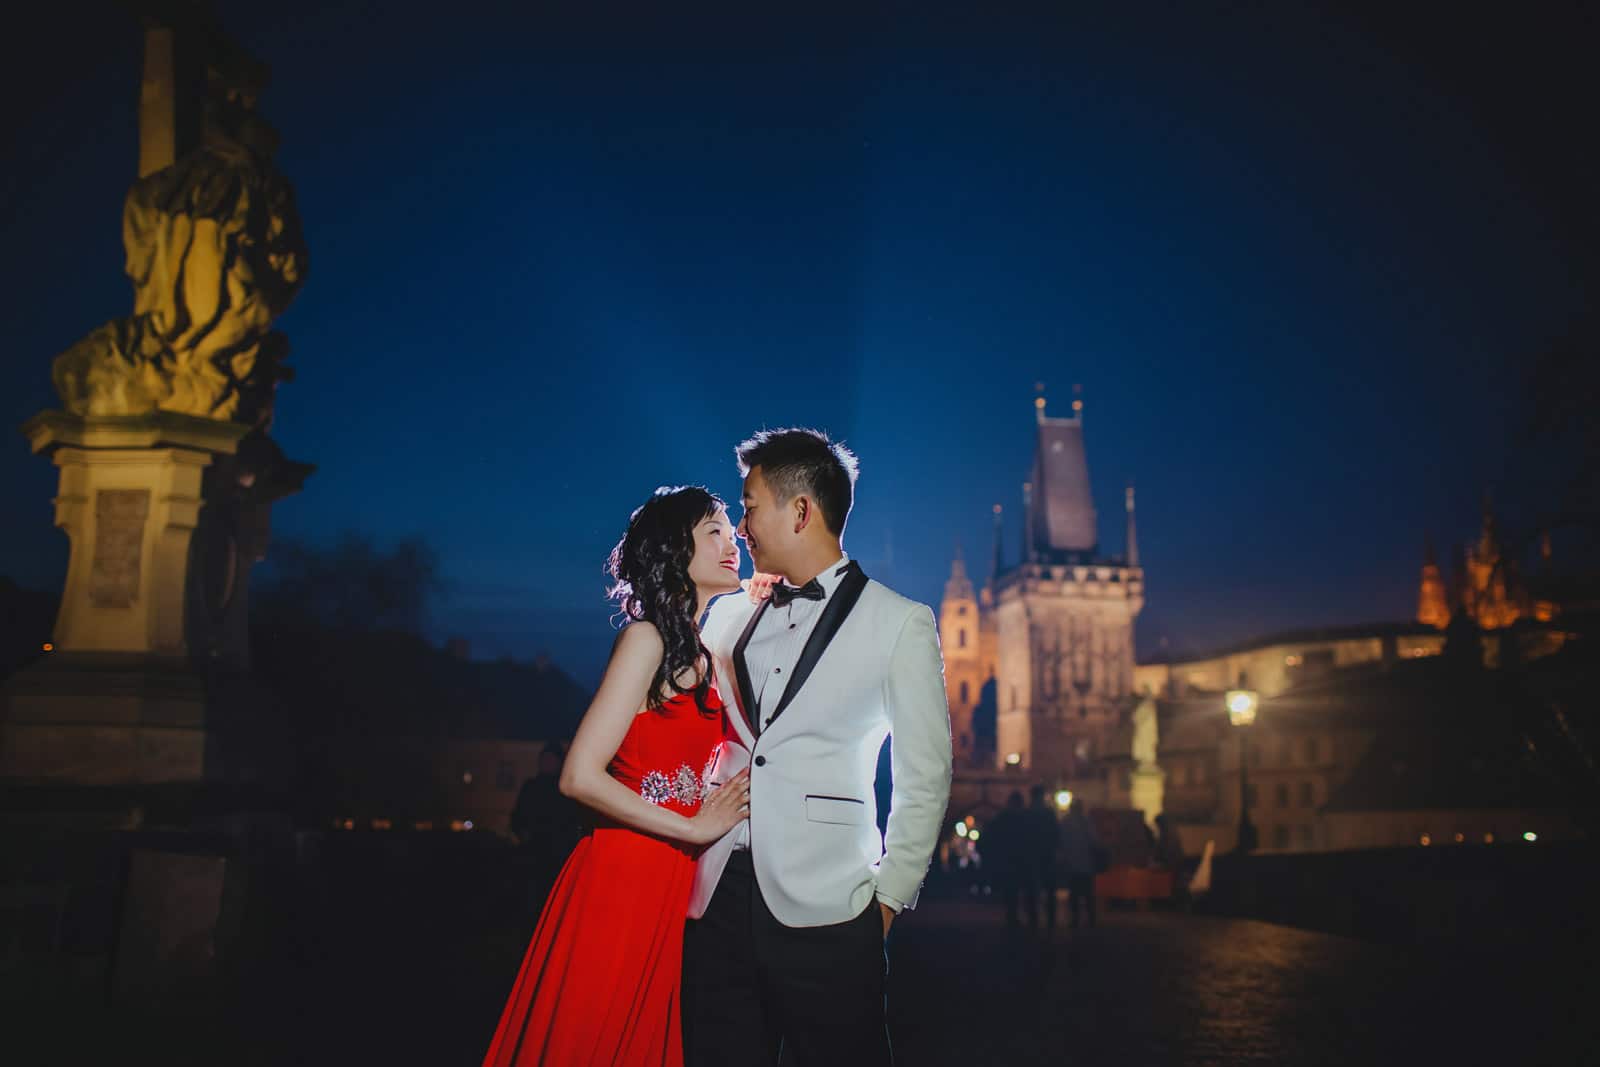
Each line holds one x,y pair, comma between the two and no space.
600,982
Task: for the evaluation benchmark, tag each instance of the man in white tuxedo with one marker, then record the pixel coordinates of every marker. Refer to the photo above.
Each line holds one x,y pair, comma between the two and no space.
790,911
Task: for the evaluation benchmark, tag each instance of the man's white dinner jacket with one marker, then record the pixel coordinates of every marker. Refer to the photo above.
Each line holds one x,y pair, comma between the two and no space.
871,668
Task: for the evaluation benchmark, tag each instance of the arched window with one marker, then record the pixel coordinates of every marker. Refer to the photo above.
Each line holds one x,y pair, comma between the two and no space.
961,637
965,692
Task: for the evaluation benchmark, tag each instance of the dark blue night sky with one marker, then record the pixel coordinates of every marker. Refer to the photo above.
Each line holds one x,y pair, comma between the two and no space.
1295,259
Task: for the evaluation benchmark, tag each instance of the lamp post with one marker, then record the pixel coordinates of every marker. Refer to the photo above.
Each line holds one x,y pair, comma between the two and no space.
1242,704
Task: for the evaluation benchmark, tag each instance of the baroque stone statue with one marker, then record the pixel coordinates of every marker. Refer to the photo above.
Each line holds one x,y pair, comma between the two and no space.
1145,733
214,249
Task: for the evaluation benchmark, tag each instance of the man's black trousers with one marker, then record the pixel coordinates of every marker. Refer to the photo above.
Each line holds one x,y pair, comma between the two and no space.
753,987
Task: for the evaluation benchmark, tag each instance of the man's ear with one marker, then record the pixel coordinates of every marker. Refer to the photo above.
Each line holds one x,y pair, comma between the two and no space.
802,512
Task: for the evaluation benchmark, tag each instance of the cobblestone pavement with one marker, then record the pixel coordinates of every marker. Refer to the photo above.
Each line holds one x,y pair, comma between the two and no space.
1141,988
1162,988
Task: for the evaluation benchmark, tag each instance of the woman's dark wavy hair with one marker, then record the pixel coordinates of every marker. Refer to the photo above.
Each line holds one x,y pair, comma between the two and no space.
651,568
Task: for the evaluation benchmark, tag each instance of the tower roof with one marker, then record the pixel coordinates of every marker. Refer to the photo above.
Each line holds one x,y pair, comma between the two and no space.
959,586
1062,512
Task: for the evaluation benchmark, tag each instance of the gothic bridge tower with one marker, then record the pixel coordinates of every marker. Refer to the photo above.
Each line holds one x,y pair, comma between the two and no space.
1064,618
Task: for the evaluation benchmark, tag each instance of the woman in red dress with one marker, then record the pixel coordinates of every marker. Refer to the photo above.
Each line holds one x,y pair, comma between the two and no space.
599,984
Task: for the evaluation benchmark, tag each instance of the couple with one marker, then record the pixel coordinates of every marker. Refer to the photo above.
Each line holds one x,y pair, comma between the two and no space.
730,770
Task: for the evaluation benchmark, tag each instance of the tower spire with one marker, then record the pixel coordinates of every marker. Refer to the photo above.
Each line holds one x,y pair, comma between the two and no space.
1133,533
996,558
1027,521
1433,605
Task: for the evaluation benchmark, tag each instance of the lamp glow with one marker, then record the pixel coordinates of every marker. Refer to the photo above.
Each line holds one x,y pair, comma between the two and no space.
1063,799
1242,705
1530,836
1013,758
961,829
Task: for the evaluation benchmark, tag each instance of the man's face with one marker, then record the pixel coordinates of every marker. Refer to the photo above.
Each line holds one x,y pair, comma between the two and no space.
767,525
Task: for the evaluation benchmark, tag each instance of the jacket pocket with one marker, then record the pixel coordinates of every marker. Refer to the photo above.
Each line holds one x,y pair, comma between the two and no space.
846,811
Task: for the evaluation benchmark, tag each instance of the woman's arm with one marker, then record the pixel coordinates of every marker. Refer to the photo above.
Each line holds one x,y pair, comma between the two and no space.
622,693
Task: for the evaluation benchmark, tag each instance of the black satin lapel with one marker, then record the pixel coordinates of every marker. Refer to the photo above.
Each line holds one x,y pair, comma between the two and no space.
833,615
741,672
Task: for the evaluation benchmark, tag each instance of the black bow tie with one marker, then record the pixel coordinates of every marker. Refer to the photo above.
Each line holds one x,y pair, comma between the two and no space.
782,594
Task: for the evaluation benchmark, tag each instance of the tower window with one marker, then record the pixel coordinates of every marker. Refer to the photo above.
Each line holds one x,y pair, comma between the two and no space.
961,637
961,609
965,692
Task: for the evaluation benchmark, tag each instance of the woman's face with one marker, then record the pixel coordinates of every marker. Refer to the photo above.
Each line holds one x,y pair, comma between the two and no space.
715,566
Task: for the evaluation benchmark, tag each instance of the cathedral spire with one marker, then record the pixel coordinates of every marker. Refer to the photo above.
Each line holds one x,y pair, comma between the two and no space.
1433,605
1489,538
1133,532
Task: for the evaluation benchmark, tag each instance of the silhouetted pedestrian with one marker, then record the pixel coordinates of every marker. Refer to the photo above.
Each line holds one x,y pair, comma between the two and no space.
1006,852
1169,855
1082,856
546,824
1044,839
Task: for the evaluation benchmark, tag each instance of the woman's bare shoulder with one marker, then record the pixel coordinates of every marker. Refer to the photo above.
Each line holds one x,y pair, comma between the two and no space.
639,638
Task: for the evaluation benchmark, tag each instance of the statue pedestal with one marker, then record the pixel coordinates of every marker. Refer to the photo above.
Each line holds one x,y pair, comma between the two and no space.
148,682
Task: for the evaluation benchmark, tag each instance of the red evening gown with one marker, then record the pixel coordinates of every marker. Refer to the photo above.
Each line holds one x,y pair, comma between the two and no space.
599,984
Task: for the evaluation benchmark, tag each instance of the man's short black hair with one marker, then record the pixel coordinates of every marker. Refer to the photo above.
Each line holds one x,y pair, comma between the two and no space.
798,462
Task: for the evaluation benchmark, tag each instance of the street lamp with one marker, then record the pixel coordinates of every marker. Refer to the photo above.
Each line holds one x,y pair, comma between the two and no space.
1242,704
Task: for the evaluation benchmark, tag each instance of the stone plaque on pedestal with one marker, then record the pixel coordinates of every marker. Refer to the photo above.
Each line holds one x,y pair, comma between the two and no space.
148,682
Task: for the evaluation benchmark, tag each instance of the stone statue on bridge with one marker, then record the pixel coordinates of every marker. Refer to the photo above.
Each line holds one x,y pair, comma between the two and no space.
213,241
168,470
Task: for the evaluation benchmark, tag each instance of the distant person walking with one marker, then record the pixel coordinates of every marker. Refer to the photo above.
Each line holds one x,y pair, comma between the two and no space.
1082,857
1044,840
1007,855
1169,854
545,823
